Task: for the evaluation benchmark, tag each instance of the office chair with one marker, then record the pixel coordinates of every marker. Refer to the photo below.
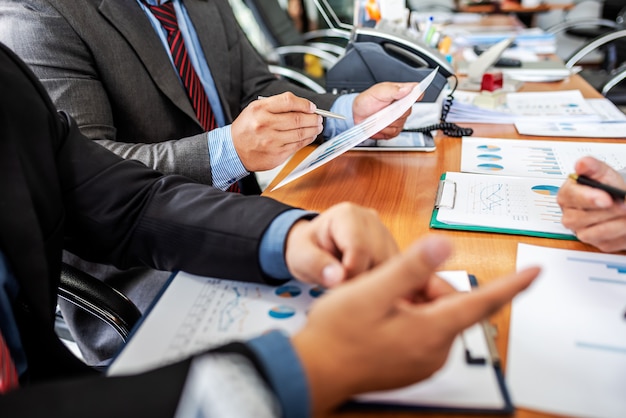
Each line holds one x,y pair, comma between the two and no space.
289,44
98,299
608,80
612,15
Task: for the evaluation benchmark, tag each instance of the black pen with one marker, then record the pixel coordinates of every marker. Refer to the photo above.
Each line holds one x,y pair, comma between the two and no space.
617,194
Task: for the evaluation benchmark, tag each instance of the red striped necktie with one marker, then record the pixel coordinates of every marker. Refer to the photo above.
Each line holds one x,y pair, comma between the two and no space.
8,374
166,15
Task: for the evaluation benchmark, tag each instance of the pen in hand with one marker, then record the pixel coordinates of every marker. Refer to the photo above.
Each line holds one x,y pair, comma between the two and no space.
321,112
617,194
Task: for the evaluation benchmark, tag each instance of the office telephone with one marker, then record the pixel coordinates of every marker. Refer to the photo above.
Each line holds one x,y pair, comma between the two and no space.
397,44
405,45
367,63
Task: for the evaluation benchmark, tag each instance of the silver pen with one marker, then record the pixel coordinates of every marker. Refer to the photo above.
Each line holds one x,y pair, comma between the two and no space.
321,112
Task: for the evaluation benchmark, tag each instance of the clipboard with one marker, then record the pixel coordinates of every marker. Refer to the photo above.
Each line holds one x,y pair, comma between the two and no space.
449,198
170,331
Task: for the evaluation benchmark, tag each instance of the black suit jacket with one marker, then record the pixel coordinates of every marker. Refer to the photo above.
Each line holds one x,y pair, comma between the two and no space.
60,190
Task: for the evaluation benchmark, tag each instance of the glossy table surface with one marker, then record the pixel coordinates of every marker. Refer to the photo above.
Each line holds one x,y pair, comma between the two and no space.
402,186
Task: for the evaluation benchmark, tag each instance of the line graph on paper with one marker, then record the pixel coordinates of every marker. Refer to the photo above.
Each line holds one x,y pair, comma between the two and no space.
503,202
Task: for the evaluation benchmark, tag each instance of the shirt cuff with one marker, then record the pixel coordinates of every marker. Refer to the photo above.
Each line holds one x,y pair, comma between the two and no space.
343,106
284,372
226,167
272,247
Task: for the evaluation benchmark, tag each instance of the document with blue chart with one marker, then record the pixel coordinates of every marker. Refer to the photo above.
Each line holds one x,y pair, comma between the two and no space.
567,338
350,138
503,204
510,186
195,313
534,158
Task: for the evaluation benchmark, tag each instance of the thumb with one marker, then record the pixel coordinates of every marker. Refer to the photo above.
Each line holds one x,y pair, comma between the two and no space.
592,168
405,273
403,90
321,267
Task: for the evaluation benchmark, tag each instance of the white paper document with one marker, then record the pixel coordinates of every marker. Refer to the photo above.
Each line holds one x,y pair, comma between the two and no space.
561,106
346,140
196,313
500,204
573,129
534,158
567,339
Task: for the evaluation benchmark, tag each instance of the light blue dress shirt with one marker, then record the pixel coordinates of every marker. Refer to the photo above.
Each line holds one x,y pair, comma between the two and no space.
226,167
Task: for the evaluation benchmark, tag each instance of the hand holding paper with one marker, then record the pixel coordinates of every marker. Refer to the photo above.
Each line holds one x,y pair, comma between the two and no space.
341,143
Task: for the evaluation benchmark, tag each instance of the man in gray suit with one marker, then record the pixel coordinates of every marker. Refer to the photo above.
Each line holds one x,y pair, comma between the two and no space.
106,63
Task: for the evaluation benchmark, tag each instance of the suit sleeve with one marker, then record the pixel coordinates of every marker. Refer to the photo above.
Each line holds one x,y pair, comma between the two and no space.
65,65
225,383
122,213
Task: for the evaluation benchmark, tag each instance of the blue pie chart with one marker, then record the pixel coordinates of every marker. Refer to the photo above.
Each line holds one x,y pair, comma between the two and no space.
282,312
288,291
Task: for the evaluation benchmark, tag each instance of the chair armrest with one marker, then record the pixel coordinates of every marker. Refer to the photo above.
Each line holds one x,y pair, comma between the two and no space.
327,58
593,45
616,78
577,23
99,299
297,78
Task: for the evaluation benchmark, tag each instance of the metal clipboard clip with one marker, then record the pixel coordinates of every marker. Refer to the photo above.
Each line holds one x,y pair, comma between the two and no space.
490,333
446,194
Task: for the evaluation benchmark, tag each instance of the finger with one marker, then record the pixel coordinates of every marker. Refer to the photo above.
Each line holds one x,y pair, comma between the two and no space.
461,310
403,274
362,255
321,267
289,121
296,137
607,236
436,288
574,195
575,219
287,102
591,167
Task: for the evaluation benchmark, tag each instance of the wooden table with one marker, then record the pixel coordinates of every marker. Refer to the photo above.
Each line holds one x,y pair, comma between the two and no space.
401,186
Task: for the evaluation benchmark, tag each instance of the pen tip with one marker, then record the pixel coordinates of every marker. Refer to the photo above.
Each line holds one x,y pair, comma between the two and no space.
573,176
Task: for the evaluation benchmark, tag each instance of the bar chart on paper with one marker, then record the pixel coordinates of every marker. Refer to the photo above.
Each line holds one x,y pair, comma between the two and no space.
569,328
547,159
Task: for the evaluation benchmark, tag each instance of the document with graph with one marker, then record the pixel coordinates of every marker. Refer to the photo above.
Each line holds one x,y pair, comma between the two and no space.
567,338
350,138
504,204
534,158
195,313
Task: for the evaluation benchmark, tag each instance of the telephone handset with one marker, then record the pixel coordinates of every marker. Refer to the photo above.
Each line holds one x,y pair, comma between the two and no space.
401,44
367,63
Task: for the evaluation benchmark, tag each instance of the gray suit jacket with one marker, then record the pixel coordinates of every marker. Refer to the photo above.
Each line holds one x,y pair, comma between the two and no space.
102,62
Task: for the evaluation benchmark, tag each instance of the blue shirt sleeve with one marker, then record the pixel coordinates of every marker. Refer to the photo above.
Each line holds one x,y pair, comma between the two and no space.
226,167
272,248
343,106
285,373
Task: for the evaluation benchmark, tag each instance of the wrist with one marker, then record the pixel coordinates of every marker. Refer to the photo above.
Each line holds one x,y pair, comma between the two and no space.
327,376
